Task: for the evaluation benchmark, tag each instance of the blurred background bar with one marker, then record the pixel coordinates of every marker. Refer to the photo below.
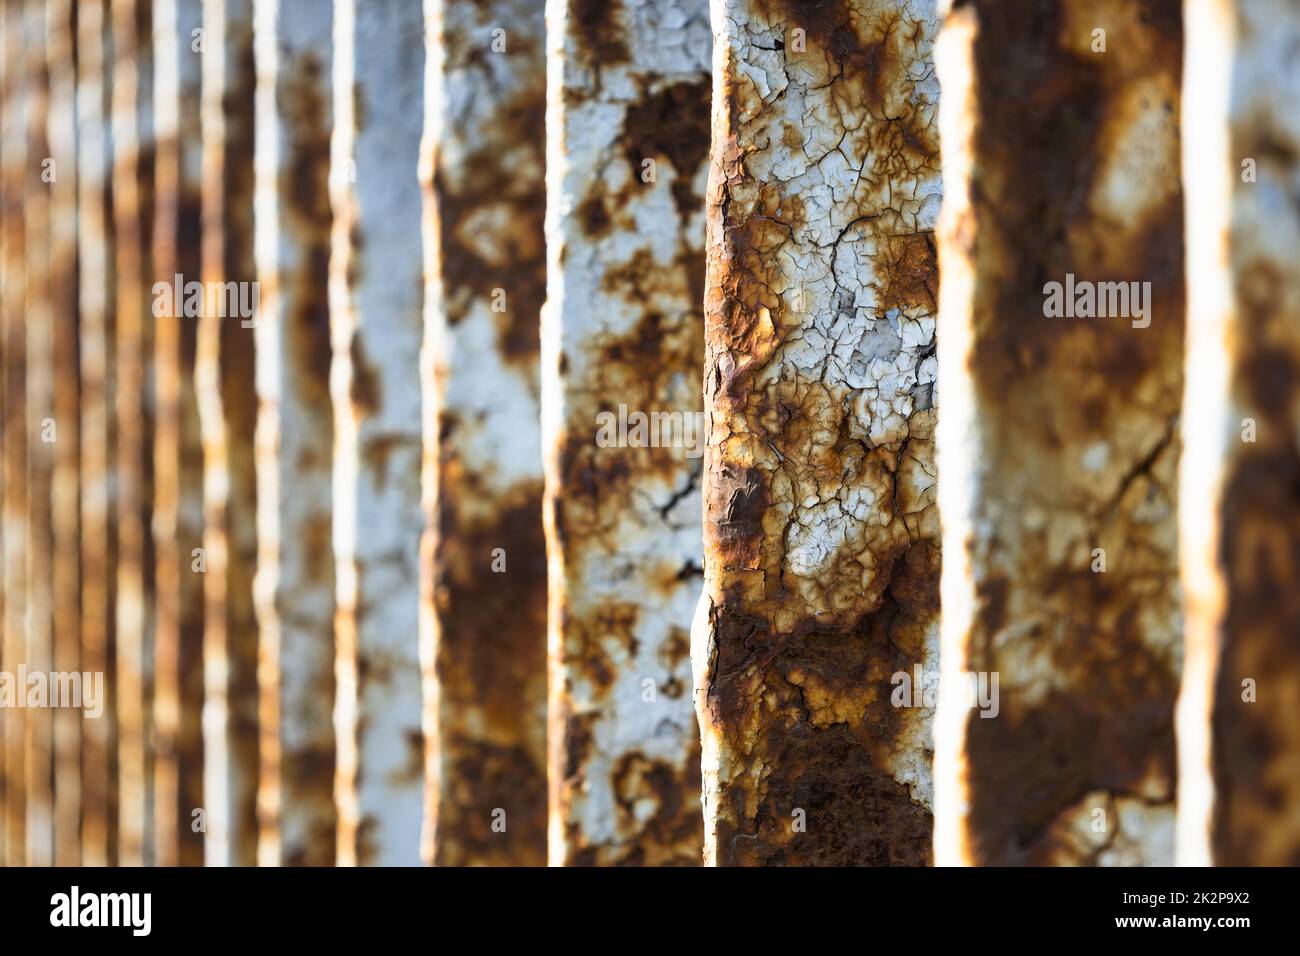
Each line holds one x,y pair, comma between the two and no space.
1058,464
295,432
1239,740
178,451
13,181
483,565
376,325
59,46
227,404
132,187
95,294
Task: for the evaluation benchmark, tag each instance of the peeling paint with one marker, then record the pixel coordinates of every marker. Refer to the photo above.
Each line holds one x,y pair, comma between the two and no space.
821,533
623,328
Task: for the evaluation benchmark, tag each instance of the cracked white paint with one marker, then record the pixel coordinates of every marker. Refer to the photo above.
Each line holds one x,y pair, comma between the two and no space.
622,523
376,328
819,383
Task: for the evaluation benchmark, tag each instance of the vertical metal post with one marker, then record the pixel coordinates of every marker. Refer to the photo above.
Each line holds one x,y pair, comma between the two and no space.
1239,525
627,149
817,634
376,330
1061,323
295,427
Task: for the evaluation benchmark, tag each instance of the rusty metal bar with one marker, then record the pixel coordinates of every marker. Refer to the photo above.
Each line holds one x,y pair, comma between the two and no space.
95,292
628,115
1239,791
224,376
376,330
820,532
1059,435
13,177
132,180
5,305
65,484
483,626
295,428
42,436
177,450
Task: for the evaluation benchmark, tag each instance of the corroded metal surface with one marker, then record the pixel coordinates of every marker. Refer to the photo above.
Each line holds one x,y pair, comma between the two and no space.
131,188
624,330
484,557
1239,741
95,292
1058,494
41,441
65,486
224,376
376,330
178,459
295,573
13,181
820,528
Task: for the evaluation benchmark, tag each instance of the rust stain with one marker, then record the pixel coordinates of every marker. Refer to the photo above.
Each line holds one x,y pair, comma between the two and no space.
1088,390
821,538
623,796
600,31
485,556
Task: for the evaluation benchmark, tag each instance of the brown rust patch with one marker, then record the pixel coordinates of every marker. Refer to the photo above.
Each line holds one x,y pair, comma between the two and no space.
305,185
594,216
599,30
365,388
911,273
671,825
492,647
821,543
672,122
483,779
491,226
